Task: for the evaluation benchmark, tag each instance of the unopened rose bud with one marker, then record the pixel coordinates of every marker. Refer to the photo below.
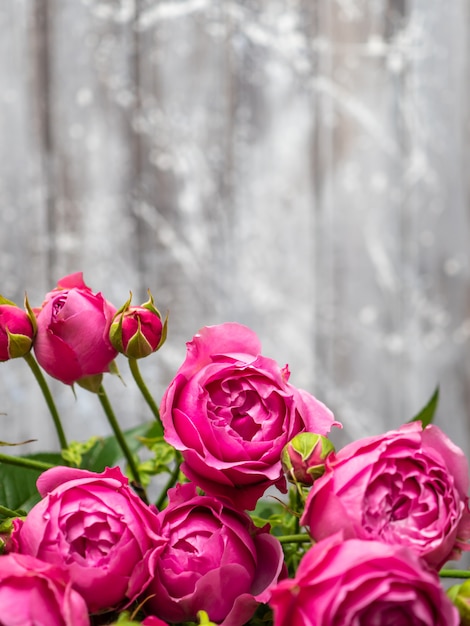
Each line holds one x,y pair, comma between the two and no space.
137,331
16,331
460,596
303,458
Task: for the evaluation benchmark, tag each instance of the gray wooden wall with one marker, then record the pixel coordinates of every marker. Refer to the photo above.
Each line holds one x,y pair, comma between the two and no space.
296,165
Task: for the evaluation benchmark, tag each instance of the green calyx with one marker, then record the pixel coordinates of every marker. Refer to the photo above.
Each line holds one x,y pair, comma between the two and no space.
308,444
115,331
138,346
18,345
32,317
460,596
91,383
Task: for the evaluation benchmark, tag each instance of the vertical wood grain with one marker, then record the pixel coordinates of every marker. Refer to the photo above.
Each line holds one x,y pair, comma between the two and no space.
297,166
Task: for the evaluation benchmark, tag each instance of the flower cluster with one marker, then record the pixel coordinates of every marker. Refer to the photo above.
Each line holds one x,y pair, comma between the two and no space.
261,520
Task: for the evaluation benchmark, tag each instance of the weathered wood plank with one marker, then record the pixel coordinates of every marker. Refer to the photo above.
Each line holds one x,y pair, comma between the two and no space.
296,166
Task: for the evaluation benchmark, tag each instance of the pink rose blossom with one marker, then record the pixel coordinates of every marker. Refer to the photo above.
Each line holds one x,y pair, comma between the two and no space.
231,411
215,560
96,527
408,486
72,339
33,593
344,583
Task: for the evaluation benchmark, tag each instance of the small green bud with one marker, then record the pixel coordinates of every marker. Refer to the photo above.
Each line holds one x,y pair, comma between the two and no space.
303,458
460,596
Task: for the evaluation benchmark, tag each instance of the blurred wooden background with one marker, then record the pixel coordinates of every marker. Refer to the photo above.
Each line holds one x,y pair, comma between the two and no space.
300,166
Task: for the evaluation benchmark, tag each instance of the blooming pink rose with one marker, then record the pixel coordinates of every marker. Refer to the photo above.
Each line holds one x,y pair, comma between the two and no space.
408,486
96,527
34,593
231,411
341,583
215,560
72,339
16,331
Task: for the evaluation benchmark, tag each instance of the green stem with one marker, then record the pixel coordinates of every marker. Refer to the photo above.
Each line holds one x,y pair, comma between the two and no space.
300,538
171,483
105,403
454,573
5,512
134,367
298,507
22,462
30,360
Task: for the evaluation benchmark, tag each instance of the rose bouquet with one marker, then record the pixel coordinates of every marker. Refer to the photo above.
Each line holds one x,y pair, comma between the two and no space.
259,521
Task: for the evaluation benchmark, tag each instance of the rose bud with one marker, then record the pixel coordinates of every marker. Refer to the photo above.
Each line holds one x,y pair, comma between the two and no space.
72,341
460,596
303,458
137,331
16,331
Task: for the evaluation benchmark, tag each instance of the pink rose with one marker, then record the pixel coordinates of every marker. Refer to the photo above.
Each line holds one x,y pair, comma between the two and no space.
408,486
231,411
215,560
72,339
16,331
33,592
340,583
96,527
151,620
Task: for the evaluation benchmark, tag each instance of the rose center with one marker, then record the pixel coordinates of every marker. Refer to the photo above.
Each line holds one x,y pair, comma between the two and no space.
238,405
387,614
390,502
58,305
92,543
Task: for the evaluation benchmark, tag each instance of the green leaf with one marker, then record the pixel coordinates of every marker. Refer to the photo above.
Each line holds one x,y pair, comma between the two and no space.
107,453
426,415
18,484
273,512
74,453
